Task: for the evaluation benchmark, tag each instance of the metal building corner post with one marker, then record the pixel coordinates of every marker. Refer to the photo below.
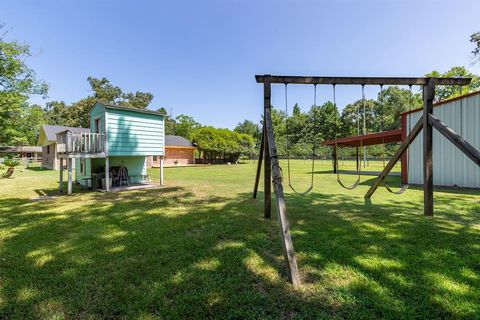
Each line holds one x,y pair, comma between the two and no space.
428,97
267,206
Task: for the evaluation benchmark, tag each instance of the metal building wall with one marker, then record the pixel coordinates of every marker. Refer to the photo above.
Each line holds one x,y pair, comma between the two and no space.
450,166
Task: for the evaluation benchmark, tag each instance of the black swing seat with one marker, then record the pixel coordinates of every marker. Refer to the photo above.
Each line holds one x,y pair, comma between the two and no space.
301,193
400,191
353,186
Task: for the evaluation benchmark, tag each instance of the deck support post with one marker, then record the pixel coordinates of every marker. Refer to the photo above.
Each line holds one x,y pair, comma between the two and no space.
60,180
107,174
161,170
267,205
428,96
69,168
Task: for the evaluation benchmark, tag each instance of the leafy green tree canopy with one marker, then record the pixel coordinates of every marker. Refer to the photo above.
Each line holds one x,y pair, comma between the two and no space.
475,39
222,144
446,92
18,120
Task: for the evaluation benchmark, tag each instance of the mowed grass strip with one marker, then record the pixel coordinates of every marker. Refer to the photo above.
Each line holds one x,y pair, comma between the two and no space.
199,248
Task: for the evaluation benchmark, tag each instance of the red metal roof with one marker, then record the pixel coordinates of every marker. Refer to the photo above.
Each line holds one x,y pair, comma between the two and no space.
368,140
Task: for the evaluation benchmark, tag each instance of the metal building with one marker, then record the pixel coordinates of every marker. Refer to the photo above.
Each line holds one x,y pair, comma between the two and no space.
450,166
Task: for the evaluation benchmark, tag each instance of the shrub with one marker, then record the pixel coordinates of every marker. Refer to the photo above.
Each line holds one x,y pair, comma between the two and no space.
11,164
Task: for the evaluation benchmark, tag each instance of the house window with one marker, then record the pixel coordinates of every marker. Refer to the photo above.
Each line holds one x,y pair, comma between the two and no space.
83,168
48,149
155,158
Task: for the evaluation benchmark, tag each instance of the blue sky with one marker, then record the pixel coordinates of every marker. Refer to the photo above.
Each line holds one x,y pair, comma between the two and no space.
200,57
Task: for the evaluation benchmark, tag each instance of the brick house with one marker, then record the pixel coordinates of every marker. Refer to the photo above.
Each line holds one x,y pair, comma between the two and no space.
178,152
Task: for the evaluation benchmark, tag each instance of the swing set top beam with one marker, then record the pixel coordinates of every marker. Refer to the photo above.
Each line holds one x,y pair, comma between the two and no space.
361,80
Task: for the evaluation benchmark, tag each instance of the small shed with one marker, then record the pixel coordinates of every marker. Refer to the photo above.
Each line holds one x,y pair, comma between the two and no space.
114,151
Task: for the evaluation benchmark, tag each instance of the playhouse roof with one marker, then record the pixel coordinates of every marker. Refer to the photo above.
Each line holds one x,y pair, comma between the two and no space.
127,108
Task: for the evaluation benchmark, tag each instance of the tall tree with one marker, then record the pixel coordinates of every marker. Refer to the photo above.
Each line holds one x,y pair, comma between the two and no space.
221,145
445,92
18,82
104,91
139,100
77,114
352,118
169,121
324,121
475,39
185,126
59,113
248,127
391,102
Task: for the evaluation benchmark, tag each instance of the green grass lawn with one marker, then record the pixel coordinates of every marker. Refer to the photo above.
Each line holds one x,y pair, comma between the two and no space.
200,248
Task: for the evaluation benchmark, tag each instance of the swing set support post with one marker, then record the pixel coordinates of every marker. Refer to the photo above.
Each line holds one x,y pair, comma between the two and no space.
285,236
428,96
273,175
267,203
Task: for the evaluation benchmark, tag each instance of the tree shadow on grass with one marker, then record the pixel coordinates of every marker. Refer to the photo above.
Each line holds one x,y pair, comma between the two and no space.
168,253
388,260
158,252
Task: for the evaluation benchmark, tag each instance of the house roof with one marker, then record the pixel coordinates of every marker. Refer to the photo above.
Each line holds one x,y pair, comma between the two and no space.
5,149
368,139
127,108
51,131
177,141
439,103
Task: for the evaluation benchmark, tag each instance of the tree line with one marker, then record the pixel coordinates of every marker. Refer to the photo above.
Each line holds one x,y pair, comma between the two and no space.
21,120
301,133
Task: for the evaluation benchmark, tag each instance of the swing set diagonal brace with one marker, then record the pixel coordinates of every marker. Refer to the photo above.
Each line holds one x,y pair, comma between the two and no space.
284,225
411,136
259,166
469,150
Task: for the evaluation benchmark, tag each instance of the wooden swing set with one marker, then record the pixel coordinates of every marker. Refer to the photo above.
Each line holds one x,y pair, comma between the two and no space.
272,171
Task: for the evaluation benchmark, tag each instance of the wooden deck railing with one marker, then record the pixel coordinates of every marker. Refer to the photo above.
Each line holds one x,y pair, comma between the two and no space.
69,142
